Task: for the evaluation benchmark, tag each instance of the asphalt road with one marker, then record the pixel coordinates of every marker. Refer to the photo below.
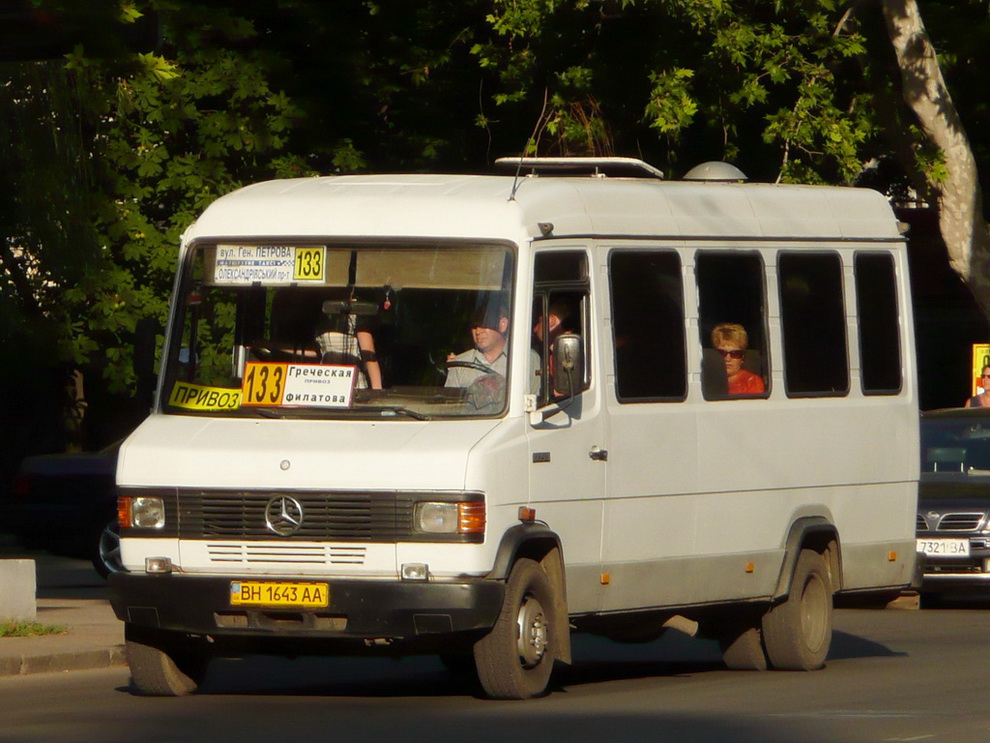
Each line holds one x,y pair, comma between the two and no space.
893,675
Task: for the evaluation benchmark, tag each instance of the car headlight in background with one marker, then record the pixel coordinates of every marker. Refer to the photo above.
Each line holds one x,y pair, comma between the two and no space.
450,518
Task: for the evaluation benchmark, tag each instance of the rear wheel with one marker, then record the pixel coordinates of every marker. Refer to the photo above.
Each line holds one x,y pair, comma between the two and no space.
797,633
742,649
515,659
164,664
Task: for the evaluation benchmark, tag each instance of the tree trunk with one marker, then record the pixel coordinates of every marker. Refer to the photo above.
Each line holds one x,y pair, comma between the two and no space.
960,200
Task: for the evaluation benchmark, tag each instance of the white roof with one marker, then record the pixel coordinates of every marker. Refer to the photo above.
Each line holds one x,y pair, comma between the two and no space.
468,206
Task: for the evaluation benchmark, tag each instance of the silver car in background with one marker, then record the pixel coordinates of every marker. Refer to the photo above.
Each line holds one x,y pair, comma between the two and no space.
954,503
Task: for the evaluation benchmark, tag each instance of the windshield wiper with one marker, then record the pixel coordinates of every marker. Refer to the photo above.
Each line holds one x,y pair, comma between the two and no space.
395,410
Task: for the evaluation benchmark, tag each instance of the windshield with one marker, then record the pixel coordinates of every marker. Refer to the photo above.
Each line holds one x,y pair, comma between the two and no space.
958,444
321,330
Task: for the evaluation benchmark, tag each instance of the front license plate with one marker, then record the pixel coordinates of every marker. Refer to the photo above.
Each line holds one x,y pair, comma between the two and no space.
944,547
267,593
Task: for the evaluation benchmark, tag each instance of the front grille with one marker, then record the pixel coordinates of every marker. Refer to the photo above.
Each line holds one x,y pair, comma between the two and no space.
341,517
960,522
920,524
239,516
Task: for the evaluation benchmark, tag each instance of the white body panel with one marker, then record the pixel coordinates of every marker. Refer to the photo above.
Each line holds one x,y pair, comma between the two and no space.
692,491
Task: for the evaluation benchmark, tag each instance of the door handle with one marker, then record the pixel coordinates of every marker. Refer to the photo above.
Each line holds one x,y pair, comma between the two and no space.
599,455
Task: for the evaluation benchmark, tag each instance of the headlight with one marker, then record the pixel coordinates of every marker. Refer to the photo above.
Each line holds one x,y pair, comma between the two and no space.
450,518
436,518
147,513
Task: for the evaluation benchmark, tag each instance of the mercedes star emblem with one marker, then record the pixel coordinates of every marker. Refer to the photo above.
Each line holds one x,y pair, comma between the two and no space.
283,515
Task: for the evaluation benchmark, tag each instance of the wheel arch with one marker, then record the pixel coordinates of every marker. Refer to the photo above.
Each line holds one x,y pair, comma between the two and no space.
537,541
815,533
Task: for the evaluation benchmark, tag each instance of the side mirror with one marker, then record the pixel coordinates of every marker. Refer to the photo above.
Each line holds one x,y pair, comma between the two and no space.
568,355
145,335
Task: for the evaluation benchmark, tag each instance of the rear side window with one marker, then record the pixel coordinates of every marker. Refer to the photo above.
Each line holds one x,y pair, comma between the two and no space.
814,324
648,325
879,331
732,324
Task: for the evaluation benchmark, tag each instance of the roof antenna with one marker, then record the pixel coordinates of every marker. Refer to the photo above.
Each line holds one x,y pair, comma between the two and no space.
536,131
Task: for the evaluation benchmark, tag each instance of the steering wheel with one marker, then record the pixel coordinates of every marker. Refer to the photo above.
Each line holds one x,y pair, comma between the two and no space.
465,364
262,353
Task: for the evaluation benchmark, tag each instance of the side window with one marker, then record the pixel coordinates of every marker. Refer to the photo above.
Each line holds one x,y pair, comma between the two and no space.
813,322
648,325
560,305
879,329
732,323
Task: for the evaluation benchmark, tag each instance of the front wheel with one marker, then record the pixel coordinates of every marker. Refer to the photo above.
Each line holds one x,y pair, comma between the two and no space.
515,659
164,664
797,633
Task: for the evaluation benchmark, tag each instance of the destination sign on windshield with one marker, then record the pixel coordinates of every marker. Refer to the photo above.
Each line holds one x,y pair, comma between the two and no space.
269,264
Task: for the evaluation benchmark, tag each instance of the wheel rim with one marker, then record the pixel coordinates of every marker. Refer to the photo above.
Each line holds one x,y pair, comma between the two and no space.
110,549
533,634
813,615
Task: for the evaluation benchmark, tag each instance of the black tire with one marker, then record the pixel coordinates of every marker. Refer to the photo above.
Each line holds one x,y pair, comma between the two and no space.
458,664
798,632
515,659
742,649
106,559
164,664
928,600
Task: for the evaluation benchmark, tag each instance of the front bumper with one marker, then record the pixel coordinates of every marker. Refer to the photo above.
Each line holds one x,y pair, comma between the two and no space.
358,609
955,582
957,574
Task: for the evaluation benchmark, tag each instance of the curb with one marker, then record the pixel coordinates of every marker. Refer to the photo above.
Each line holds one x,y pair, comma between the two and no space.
82,660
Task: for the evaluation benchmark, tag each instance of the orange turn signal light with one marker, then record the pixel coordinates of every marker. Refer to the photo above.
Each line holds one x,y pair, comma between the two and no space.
124,512
471,518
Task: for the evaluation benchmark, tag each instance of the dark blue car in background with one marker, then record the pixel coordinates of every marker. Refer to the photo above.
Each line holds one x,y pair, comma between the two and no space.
67,504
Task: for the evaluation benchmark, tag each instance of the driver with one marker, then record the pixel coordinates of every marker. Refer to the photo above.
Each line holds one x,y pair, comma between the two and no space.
488,330
488,356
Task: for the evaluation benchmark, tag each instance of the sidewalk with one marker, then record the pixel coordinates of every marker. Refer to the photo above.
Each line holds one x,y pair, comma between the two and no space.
70,594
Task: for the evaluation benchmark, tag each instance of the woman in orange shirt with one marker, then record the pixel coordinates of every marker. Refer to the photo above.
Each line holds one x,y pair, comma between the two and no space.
731,340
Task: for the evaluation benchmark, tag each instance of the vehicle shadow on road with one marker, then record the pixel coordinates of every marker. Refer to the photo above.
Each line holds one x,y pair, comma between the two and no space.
846,645
596,660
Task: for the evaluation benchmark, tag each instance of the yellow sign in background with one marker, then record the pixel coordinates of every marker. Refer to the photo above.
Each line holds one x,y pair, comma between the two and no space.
981,358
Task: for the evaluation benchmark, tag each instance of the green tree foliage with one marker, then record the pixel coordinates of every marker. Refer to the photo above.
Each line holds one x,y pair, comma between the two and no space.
141,112
44,208
776,87
172,135
162,123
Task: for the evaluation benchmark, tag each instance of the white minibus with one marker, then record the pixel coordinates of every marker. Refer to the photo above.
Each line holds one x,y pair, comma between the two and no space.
469,415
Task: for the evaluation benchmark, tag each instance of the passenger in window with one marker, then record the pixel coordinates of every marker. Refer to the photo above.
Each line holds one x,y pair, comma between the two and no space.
342,340
560,319
981,400
731,340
